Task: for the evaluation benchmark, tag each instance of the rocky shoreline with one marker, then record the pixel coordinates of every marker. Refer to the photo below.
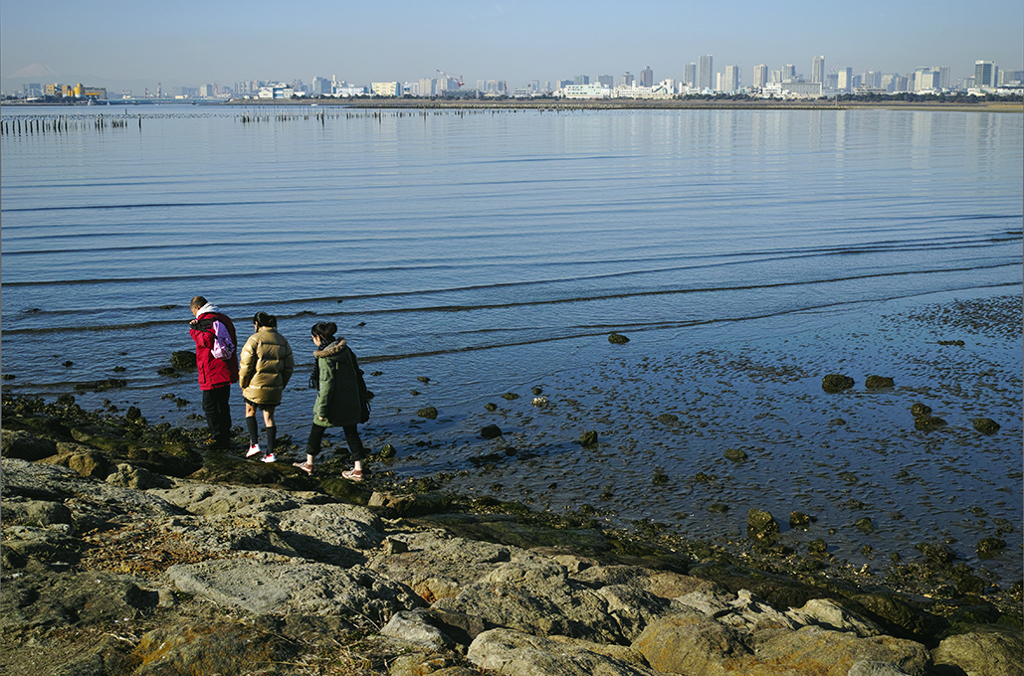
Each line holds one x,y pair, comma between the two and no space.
128,549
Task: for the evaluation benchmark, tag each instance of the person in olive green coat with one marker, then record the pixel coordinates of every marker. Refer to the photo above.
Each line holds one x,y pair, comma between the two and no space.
265,367
342,399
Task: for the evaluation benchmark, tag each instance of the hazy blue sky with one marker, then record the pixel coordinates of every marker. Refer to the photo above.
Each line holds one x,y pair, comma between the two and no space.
193,42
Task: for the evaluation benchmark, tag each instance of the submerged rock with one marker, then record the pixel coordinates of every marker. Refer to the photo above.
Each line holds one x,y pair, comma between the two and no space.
490,432
588,439
919,409
927,423
430,413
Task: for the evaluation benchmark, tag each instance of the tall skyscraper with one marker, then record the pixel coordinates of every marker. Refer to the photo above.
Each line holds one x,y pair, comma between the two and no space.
704,75
690,74
606,81
647,77
760,75
845,82
731,79
627,79
986,74
581,80
789,72
818,69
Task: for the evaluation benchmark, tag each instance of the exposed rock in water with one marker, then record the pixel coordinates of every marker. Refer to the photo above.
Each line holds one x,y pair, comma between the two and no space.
864,525
430,413
799,520
490,432
510,396
491,407
617,339
668,418
735,454
101,385
183,360
834,383
761,525
878,382
927,423
987,547
985,425
588,439
918,409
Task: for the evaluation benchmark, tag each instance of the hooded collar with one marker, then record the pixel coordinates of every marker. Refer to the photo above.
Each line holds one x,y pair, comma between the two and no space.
208,309
331,350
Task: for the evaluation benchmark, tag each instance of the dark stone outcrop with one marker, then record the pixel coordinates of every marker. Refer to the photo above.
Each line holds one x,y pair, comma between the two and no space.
835,383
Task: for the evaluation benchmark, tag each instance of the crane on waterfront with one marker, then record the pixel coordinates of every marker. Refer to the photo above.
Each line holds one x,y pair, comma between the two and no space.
458,82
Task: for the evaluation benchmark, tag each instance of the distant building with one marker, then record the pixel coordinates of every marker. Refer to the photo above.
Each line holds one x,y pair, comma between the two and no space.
690,75
606,81
581,80
793,89
321,86
845,82
760,76
926,80
789,72
427,87
731,79
386,89
627,79
704,73
647,77
818,69
586,91
986,74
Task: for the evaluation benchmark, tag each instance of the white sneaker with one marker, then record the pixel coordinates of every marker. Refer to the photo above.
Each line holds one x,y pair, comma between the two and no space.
253,450
269,457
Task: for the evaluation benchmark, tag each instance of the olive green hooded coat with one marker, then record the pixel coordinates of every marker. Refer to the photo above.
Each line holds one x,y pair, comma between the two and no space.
341,397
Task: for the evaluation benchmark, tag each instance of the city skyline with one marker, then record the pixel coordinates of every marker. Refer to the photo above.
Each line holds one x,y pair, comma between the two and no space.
124,45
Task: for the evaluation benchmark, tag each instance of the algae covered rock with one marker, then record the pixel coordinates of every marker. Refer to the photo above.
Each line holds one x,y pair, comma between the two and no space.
490,432
878,382
834,383
617,339
735,454
927,423
918,409
761,525
430,413
588,439
985,425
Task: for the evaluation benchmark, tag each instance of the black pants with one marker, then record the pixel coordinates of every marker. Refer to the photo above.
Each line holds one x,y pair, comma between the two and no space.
217,407
355,444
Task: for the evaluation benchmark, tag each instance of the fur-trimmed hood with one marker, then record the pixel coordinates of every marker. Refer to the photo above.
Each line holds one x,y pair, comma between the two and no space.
332,350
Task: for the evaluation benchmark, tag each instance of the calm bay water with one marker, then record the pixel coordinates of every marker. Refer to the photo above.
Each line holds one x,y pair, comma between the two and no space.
494,251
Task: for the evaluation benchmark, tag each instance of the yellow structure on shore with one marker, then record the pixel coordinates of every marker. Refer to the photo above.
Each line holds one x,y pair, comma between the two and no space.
78,91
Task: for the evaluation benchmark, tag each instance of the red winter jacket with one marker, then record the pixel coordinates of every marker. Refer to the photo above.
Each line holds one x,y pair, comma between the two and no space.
213,372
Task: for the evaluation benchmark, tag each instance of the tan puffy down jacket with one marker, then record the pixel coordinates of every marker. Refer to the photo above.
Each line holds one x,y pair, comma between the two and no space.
265,367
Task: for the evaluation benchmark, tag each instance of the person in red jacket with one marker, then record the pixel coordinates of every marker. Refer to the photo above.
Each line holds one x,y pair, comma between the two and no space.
217,363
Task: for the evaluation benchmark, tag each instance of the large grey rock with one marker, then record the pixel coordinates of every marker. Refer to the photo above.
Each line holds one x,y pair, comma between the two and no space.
514,653
128,476
830,615
414,627
983,653
632,608
318,529
665,584
691,643
437,565
263,585
536,597
205,499
830,653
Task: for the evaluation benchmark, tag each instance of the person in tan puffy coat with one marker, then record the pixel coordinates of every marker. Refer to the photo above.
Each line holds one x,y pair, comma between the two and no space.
265,367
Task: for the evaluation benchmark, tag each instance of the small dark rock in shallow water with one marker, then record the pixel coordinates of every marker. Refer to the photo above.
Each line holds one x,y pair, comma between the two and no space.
490,432
958,343
8,376
939,554
183,360
987,547
761,525
818,546
101,385
919,409
537,391
835,382
491,407
985,425
668,418
510,396
878,382
865,525
927,423
429,412
69,364
800,520
617,339
387,451
718,508
588,438
423,379
735,454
